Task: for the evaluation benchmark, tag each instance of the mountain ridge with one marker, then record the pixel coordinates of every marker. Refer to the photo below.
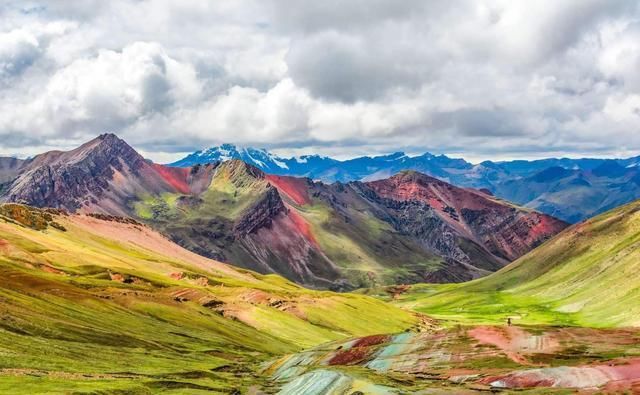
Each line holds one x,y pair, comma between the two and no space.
338,236
505,179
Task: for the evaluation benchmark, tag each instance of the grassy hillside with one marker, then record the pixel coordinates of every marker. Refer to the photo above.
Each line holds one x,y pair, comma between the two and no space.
104,303
587,275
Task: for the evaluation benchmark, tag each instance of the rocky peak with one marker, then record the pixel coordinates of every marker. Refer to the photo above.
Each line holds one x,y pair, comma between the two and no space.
238,171
412,176
105,146
74,178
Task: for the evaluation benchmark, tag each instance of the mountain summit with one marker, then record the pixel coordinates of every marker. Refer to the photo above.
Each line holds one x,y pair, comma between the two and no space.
259,158
101,175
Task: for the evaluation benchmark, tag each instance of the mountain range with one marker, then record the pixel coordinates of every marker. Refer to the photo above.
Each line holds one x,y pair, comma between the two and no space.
570,189
404,229
96,296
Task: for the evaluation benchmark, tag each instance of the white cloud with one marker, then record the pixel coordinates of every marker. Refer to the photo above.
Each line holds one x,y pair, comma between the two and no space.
484,77
111,89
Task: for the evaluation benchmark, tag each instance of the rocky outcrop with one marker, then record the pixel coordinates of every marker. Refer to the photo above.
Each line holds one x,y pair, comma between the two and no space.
511,233
418,220
260,215
31,217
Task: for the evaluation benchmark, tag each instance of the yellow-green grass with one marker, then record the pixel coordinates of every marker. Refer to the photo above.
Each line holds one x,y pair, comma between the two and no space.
66,325
365,246
230,193
587,276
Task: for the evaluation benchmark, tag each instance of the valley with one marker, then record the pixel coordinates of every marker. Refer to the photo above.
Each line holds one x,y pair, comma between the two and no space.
93,302
561,319
119,275
336,197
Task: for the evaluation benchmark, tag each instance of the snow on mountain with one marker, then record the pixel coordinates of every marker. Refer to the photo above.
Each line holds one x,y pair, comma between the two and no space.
259,158
307,165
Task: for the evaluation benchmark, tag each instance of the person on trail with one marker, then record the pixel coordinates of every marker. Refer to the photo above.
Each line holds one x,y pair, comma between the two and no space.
509,321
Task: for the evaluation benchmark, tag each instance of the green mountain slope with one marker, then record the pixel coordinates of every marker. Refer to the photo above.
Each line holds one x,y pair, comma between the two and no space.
99,302
587,275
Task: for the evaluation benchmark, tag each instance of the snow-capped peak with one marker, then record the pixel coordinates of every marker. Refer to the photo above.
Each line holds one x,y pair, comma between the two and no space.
258,157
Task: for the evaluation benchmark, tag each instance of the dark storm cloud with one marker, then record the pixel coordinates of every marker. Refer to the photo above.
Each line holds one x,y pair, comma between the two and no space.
341,67
478,122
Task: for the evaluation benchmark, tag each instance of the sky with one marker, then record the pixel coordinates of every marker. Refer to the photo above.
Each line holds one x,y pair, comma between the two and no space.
498,79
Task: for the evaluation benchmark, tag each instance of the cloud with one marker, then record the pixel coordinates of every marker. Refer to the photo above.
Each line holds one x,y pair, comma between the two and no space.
18,51
109,91
487,78
338,66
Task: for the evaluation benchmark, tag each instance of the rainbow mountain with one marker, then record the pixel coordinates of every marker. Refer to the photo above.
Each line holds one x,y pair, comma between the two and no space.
405,229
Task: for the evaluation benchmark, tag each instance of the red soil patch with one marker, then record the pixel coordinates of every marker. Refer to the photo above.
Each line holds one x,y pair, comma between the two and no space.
174,176
405,190
303,227
497,338
295,188
437,194
177,275
360,351
371,341
625,370
545,226
490,335
352,356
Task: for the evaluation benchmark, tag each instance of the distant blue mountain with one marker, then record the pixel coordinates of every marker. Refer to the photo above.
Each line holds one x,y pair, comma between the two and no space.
570,189
325,168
